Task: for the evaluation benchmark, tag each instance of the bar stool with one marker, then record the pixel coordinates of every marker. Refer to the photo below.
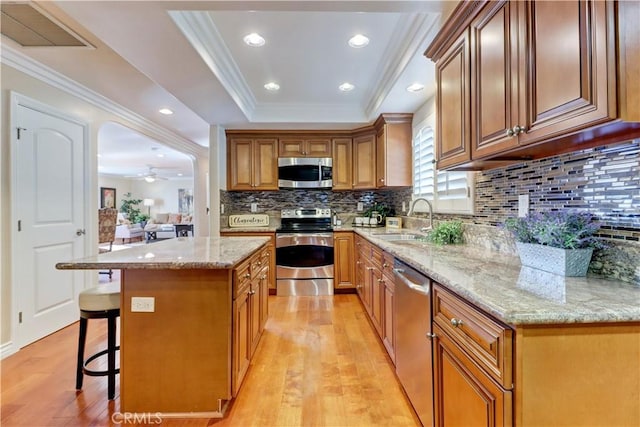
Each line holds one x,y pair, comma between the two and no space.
100,302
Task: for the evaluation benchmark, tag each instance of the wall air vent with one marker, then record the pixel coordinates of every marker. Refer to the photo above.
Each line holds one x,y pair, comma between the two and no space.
29,26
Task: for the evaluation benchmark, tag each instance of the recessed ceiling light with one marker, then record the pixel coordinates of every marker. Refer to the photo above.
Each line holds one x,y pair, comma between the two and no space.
254,40
415,87
165,111
179,174
346,87
160,155
358,41
272,86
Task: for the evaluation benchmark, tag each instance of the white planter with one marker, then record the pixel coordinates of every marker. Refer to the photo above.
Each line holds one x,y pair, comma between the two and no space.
566,262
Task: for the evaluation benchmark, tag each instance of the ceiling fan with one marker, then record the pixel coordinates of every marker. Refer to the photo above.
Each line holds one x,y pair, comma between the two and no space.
150,175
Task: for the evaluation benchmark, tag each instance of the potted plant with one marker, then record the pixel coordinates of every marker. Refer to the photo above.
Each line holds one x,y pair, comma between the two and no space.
447,233
378,211
559,242
129,207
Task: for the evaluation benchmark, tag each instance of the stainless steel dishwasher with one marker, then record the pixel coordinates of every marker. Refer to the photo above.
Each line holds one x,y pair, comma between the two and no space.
413,338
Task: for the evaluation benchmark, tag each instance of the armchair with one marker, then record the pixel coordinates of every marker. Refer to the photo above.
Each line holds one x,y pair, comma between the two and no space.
106,232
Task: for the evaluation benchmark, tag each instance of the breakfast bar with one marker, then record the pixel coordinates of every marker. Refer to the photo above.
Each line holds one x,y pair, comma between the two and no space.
192,310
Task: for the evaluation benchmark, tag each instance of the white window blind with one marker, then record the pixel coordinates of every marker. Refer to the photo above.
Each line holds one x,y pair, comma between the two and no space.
449,191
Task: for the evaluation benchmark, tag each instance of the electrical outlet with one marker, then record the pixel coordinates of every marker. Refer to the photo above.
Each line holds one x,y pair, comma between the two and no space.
254,207
404,206
523,205
360,207
221,208
143,304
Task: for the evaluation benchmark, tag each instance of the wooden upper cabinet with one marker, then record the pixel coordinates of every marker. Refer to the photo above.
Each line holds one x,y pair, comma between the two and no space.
393,150
364,161
494,55
252,164
304,147
342,164
566,84
453,105
544,78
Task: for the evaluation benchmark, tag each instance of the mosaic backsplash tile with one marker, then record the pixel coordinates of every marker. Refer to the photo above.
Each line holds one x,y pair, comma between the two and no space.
604,181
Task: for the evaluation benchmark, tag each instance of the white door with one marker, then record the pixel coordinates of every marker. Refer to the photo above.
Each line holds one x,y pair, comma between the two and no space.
49,218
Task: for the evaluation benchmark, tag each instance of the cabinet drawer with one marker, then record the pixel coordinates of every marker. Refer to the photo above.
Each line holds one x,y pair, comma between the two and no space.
487,342
241,278
387,264
376,256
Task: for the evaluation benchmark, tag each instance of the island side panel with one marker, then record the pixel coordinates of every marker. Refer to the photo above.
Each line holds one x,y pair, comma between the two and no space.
578,374
176,359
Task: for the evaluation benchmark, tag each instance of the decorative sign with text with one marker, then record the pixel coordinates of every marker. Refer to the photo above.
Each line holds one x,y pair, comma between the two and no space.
249,220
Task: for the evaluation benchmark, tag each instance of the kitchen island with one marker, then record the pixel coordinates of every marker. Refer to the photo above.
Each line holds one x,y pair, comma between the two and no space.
191,312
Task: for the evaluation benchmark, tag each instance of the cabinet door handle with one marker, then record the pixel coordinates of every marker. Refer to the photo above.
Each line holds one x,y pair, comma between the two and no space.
510,132
247,275
430,336
517,129
456,323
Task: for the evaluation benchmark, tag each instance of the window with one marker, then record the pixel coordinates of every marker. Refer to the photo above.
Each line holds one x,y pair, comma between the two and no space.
449,192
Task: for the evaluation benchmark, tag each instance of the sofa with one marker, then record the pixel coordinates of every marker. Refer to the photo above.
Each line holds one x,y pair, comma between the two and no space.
162,225
125,230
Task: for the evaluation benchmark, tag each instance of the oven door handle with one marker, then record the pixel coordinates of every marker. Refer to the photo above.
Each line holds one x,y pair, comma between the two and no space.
307,239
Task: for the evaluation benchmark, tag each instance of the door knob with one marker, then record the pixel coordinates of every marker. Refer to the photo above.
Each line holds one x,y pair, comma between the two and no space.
80,231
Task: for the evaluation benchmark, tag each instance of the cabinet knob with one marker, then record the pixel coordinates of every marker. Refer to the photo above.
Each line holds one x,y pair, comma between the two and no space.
381,179
516,130
385,265
247,275
456,323
430,336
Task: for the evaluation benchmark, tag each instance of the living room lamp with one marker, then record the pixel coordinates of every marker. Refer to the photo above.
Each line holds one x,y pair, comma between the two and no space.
148,203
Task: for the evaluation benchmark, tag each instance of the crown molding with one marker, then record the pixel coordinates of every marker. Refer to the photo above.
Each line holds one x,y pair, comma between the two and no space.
202,33
300,113
407,41
14,58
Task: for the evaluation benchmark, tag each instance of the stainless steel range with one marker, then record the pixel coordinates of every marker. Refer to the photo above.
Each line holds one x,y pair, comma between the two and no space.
304,252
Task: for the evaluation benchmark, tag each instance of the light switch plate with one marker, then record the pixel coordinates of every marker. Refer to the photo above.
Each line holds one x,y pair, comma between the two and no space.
360,207
523,205
254,207
143,304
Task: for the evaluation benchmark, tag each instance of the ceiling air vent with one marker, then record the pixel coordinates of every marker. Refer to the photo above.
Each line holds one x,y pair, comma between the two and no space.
28,26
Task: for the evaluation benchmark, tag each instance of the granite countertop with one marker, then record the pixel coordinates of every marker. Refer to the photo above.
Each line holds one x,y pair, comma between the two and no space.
175,254
499,285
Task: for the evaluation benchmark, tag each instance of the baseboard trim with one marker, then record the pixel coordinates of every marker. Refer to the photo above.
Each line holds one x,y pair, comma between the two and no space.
7,349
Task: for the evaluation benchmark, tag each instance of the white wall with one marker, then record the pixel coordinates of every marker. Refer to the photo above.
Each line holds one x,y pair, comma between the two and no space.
13,79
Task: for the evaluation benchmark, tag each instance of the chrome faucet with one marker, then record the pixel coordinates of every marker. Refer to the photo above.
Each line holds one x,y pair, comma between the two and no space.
413,205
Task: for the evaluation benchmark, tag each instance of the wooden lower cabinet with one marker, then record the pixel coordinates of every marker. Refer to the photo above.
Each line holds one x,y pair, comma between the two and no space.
388,325
241,338
344,253
250,312
377,298
464,394
375,287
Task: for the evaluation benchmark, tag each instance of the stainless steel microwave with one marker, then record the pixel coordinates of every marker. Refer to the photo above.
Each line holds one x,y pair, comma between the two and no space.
305,172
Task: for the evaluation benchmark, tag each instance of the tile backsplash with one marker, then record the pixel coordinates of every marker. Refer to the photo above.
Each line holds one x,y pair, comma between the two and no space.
604,181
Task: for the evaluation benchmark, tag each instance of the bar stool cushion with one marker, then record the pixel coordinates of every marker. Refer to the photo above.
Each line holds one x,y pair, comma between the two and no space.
100,298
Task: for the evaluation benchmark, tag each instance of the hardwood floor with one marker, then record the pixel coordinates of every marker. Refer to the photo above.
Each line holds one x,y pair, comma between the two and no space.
319,363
